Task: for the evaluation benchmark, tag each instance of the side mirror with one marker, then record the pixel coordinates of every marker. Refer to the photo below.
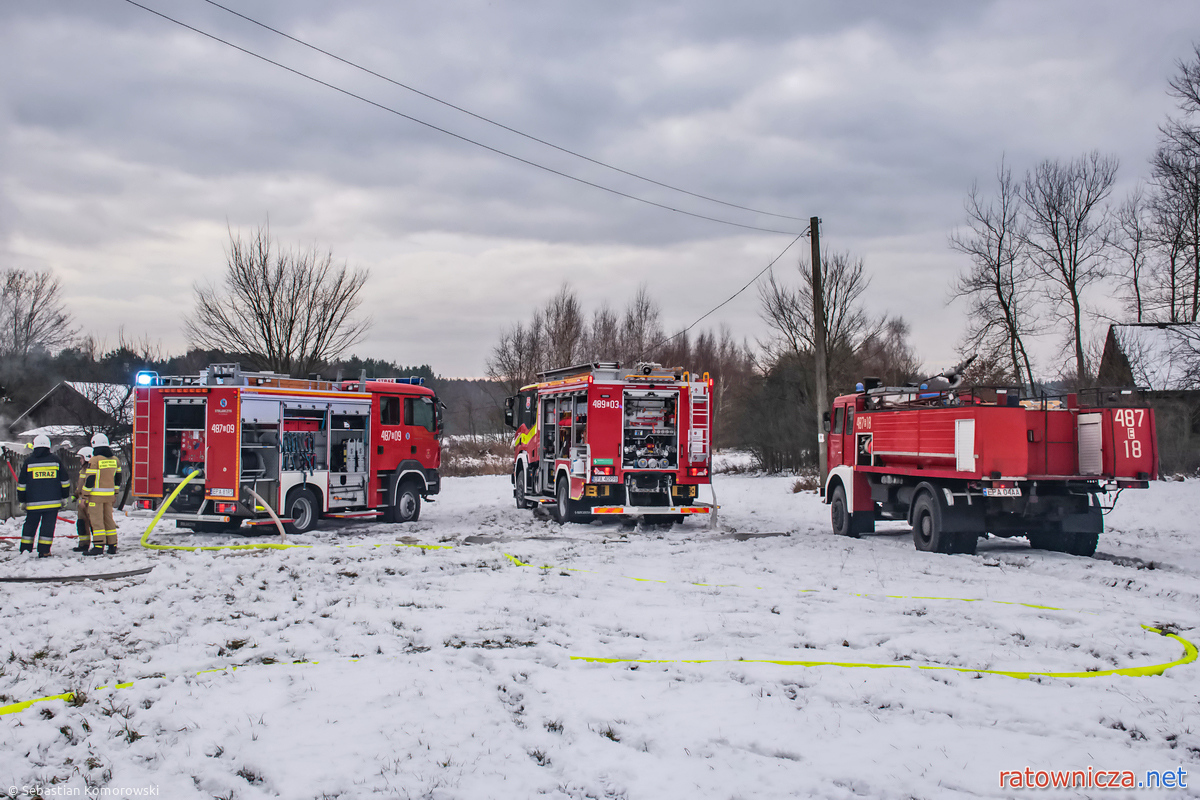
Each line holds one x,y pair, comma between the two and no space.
825,421
508,411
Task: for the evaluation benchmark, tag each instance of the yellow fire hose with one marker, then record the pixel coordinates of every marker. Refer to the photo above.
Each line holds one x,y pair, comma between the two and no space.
281,545
1190,652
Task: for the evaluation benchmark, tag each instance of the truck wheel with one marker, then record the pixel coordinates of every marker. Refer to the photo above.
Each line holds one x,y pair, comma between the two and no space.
564,507
839,514
927,529
1051,539
1076,544
1084,544
519,488
406,502
301,507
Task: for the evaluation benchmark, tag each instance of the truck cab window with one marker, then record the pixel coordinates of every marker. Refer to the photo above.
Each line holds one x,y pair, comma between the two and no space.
527,413
418,412
838,418
389,410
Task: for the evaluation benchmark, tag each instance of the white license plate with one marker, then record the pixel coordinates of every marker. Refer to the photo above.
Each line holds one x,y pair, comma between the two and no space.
221,492
604,479
998,492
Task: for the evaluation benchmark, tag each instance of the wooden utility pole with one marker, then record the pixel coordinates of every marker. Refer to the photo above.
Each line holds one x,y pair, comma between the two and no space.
822,388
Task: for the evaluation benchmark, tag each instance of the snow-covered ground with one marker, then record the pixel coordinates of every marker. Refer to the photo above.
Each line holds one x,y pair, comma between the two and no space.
455,673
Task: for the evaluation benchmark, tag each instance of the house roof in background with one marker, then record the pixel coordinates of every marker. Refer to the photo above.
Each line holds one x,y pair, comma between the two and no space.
1162,357
107,397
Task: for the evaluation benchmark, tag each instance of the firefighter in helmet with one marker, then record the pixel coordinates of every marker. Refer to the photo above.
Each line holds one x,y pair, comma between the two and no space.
42,486
101,479
83,526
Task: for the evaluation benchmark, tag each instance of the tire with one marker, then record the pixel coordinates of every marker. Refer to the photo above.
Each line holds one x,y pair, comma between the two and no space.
1084,544
406,502
1076,544
565,509
839,512
301,507
927,525
519,488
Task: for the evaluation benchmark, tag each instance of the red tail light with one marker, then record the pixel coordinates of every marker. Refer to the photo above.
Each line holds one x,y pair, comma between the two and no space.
604,470
144,505
226,508
697,472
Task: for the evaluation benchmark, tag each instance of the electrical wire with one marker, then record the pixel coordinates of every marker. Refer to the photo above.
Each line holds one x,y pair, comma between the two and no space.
458,136
490,121
708,313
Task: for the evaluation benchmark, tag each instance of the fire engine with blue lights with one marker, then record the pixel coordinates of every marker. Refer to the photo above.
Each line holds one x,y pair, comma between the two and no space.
303,449
597,440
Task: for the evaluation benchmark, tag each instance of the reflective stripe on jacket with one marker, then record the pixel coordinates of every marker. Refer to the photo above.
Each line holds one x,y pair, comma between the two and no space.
102,476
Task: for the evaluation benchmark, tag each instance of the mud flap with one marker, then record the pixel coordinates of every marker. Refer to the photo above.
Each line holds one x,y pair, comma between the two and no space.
862,522
862,516
1090,521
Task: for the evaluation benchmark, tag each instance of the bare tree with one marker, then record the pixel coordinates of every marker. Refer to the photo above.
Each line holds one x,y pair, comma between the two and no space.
1185,86
1175,170
289,310
604,335
1068,236
789,312
32,313
1133,241
641,328
999,285
517,357
887,353
565,329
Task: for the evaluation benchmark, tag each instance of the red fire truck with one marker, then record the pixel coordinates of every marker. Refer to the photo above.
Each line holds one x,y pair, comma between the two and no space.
958,465
596,439
309,448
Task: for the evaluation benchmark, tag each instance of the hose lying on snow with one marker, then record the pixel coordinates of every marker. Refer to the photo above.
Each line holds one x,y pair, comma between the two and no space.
263,546
193,548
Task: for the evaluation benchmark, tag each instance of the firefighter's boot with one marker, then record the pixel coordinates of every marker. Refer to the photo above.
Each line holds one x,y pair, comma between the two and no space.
112,549
84,531
95,551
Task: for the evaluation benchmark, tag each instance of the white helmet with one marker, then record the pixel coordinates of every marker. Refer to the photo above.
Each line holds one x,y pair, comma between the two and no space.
99,440
85,453
41,441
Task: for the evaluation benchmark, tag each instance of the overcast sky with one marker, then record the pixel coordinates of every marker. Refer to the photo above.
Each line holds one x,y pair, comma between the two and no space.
129,146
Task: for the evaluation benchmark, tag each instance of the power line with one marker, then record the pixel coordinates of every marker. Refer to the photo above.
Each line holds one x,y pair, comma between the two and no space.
490,121
458,136
727,299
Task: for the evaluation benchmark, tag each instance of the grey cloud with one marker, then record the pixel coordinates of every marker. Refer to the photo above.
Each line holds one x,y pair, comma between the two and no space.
128,140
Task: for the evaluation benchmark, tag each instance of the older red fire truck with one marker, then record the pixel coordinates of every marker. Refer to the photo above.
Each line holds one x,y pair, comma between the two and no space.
309,448
597,439
960,464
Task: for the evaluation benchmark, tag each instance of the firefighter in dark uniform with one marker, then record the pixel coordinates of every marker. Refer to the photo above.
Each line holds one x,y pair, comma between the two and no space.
101,479
83,526
42,486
